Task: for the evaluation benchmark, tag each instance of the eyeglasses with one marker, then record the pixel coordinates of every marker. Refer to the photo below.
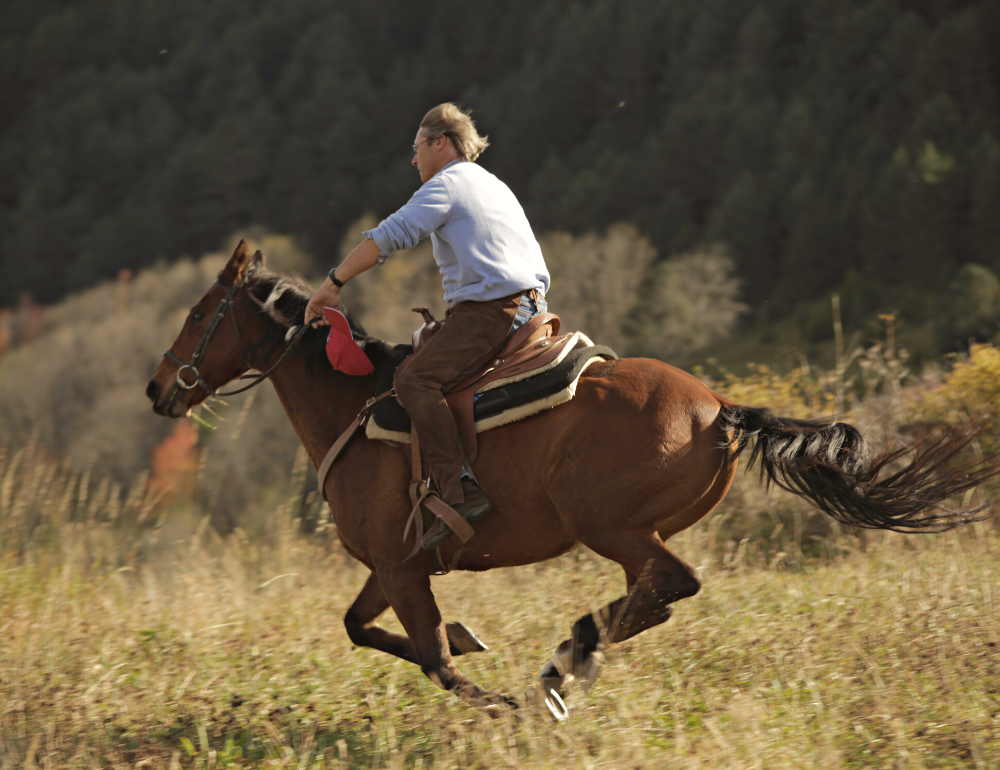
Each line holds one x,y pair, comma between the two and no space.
420,143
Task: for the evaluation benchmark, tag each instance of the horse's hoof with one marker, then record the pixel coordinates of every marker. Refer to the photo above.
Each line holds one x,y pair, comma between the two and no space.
545,696
559,673
462,639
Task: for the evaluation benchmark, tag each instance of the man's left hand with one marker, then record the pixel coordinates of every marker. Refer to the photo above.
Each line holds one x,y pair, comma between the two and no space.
327,295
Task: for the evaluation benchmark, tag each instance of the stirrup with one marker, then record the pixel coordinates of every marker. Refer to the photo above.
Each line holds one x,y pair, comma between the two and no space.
448,522
472,510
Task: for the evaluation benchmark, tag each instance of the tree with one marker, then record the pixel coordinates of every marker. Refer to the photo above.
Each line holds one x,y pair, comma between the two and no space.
973,306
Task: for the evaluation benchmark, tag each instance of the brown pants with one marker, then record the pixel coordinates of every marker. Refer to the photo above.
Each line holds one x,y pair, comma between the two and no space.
472,334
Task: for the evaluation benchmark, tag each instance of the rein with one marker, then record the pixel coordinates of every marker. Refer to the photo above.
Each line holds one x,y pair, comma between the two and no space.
202,347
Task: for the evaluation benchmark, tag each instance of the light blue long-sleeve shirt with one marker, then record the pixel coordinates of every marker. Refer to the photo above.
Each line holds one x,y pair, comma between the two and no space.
483,243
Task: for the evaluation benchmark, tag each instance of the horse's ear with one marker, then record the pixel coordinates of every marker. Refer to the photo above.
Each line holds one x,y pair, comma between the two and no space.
237,265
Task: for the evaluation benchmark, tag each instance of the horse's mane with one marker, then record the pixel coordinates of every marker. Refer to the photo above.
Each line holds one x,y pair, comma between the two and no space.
283,299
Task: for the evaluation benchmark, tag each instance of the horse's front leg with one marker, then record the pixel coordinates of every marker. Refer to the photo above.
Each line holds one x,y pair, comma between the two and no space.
409,593
364,631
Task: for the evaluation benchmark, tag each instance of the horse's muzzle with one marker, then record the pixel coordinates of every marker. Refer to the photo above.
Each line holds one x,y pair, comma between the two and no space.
153,392
164,404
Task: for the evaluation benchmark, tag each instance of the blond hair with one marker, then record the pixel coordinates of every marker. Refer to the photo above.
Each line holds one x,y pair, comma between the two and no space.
450,120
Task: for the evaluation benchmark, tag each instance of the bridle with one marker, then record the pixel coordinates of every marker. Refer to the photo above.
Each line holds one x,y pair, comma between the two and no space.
202,347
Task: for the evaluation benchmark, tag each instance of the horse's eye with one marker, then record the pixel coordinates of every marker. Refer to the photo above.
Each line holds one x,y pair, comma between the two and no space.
197,317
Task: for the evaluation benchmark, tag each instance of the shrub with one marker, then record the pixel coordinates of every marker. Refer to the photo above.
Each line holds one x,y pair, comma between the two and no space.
690,301
597,280
971,390
796,394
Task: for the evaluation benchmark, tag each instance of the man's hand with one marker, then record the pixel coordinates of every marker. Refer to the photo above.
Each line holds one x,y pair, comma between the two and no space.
327,295
363,257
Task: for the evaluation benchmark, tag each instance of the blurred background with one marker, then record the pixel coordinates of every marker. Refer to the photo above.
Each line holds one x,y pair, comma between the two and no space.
798,196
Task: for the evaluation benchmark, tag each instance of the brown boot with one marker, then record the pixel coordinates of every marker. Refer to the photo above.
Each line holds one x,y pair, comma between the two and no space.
475,507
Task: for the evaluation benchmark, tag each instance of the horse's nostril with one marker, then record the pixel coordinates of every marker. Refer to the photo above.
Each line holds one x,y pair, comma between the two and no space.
153,391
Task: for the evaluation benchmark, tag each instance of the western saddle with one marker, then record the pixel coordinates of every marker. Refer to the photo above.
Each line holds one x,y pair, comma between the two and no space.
531,347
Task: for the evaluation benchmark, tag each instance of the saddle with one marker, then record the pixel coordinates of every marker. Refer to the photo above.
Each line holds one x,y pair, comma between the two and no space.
530,349
537,369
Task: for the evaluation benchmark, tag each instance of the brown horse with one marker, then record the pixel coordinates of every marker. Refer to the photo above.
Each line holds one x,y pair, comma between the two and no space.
642,452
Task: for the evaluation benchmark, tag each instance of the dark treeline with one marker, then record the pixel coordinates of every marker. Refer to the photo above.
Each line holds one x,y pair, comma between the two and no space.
827,142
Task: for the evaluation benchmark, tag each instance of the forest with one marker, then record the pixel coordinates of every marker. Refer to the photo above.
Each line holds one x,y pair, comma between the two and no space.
851,145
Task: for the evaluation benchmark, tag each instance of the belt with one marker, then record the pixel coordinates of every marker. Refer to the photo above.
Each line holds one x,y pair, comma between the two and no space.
533,293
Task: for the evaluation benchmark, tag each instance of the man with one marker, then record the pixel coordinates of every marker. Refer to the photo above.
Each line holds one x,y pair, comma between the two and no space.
495,280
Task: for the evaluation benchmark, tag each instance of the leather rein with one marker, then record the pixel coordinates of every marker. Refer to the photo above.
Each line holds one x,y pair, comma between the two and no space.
202,347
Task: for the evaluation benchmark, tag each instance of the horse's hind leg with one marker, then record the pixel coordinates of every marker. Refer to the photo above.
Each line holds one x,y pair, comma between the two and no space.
656,578
364,631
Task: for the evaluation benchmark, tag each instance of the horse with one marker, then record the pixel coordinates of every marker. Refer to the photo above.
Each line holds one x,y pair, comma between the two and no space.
642,452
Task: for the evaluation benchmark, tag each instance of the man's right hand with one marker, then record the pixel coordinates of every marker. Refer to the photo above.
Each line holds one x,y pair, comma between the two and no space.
327,295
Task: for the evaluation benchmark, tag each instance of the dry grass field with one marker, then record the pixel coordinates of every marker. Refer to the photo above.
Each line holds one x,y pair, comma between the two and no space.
121,650
134,634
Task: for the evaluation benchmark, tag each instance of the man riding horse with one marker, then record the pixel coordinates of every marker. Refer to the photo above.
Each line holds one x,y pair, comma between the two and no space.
495,280
641,452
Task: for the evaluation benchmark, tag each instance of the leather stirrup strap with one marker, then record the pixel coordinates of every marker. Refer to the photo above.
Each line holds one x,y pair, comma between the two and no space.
443,511
416,518
418,493
450,516
415,464
417,487
422,496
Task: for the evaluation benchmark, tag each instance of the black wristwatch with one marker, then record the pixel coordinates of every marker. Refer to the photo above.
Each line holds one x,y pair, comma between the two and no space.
333,277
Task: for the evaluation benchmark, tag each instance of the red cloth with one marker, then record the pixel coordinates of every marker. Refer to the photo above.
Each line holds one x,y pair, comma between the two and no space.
344,354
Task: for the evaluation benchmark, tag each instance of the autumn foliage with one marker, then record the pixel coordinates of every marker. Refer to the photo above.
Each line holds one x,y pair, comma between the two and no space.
174,464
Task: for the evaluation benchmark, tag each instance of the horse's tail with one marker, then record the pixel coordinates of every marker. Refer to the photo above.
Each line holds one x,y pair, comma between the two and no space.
831,466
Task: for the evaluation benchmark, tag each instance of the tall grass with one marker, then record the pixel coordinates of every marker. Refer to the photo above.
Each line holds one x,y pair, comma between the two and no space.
229,652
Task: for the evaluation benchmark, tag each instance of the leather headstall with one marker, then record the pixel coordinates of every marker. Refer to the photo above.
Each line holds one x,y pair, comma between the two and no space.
202,347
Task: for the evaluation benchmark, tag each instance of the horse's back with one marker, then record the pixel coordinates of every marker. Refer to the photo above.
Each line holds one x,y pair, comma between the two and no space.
672,398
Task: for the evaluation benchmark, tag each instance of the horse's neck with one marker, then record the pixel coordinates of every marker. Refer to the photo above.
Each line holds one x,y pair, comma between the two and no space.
319,403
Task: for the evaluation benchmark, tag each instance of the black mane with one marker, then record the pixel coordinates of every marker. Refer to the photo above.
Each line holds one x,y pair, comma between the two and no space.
283,299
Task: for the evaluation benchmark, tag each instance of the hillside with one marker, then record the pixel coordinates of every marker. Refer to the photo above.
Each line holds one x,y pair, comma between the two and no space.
852,144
